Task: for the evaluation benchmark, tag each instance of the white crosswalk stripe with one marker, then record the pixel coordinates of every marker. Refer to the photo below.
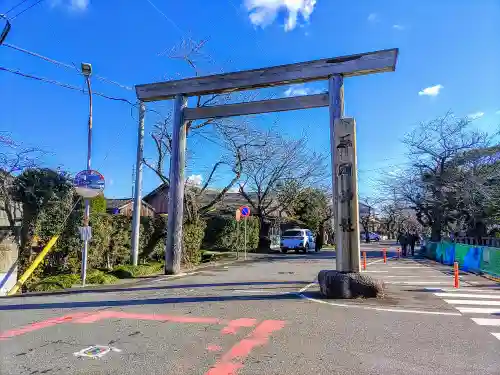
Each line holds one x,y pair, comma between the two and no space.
475,301
482,305
487,322
471,302
468,295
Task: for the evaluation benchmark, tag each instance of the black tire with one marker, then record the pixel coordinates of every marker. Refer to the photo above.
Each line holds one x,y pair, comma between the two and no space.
306,247
284,250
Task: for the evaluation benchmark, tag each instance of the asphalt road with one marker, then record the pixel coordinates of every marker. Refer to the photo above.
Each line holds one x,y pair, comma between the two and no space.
263,316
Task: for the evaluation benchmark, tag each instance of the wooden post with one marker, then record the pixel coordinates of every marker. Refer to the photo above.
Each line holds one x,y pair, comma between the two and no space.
136,220
173,250
336,92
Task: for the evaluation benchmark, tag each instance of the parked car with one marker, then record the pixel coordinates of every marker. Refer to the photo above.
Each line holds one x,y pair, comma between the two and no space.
297,239
372,236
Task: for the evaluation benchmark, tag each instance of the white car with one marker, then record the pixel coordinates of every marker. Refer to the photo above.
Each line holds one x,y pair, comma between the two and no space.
297,239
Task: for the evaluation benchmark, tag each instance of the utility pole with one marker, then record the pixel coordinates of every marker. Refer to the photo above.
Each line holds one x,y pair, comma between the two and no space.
87,71
136,220
133,181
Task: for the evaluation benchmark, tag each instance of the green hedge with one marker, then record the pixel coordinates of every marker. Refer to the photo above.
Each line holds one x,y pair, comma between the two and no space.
222,233
192,238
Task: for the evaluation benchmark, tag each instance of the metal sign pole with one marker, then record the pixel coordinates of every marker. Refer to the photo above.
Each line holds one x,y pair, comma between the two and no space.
89,155
245,237
238,239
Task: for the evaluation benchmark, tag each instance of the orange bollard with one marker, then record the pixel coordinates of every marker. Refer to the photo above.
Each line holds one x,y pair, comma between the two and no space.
364,260
399,250
385,255
455,269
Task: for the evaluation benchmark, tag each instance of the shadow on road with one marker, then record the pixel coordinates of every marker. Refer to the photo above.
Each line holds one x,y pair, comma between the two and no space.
148,301
162,287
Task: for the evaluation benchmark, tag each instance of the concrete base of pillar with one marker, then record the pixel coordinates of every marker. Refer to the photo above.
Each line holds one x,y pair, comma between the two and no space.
345,285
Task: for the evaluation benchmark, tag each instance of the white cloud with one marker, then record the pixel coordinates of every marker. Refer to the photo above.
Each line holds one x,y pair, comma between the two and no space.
398,27
394,172
431,91
373,17
264,12
78,5
300,90
475,115
194,180
497,112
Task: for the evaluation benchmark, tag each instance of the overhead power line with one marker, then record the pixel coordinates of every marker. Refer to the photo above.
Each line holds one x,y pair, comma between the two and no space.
72,87
16,6
166,17
64,65
24,10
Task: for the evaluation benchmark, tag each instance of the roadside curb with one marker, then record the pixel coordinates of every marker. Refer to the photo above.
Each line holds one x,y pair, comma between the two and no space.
137,281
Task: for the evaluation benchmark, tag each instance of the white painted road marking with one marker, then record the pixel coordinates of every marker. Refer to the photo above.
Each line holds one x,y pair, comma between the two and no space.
464,289
468,295
420,276
487,322
306,287
478,310
496,334
419,282
379,308
472,302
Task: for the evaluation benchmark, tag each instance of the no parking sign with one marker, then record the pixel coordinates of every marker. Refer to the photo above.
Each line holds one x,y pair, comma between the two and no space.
245,211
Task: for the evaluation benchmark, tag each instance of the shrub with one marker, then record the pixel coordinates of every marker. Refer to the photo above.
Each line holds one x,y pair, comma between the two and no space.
100,277
222,233
98,204
56,282
192,237
128,271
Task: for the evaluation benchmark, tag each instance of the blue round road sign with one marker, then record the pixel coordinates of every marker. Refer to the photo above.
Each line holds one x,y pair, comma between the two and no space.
245,211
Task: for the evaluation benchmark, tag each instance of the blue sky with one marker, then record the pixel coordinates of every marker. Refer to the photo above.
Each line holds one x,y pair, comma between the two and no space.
449,59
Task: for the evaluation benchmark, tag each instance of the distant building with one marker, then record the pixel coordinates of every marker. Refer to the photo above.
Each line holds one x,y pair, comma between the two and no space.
125,206
158,199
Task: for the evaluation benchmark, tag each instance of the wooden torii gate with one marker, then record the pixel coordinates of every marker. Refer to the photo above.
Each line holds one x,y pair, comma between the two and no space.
334,70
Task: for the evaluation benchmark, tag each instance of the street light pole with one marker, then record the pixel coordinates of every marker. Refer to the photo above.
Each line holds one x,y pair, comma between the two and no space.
87,71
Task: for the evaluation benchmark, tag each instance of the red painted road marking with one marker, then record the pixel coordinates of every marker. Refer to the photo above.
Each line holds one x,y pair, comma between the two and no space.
39,325
233,325
231,362
158,317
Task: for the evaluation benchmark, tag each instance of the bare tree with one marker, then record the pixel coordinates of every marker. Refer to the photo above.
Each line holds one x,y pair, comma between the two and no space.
234,136
279,162
14,158
429,185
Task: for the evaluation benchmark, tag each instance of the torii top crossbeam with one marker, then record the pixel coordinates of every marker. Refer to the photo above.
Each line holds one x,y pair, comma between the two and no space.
347,66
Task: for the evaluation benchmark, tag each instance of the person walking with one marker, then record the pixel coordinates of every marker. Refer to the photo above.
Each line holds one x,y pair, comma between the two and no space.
412,241
403,241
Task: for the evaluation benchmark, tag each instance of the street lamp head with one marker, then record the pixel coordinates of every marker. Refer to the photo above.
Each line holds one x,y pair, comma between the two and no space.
86,69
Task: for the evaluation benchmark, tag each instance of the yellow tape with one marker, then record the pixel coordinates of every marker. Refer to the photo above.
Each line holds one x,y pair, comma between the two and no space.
33,266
